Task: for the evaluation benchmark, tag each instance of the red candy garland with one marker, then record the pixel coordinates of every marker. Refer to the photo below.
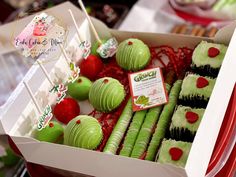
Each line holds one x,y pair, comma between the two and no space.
179,60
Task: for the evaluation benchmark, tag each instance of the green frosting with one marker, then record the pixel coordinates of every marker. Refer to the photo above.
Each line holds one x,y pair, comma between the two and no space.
80,88
165,157
201,58
133,54
52,133
83,132
189,87
106,94
179,120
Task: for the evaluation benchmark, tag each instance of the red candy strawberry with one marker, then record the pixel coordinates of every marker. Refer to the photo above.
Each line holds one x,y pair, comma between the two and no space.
66,110
175,153
213,52
91,66
191,117
202,82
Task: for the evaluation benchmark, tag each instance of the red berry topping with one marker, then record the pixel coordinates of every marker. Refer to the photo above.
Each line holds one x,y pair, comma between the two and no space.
191,117
130,43
105,81
51,125
202,82
78,121
213,52
79,80
175,153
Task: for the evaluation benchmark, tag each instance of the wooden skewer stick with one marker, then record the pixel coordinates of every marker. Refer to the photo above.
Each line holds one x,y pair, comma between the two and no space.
45,72
32,97
90,22
76,26
68,60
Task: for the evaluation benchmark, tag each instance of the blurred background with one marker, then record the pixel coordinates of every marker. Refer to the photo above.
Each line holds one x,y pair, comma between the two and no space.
187,17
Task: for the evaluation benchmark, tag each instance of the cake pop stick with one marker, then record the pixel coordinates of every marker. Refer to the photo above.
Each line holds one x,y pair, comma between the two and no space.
45,72
32,97
74,70
45,115
68,60
90,22
59,89
76,26
84,45
105,48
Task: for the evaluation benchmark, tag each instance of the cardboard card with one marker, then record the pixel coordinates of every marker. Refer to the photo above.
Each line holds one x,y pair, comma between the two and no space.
147,89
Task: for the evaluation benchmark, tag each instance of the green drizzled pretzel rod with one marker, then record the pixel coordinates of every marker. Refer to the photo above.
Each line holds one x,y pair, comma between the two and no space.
163,121
150,121
132,133
119,129
146,130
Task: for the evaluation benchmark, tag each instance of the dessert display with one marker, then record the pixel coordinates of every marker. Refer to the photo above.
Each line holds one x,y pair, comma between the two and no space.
83,132
207,58
174,152
163,132
185,122
97,111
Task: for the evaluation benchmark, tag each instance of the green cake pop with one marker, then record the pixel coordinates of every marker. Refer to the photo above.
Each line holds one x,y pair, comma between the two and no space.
80,88
53,133
133,54
106,94
83,132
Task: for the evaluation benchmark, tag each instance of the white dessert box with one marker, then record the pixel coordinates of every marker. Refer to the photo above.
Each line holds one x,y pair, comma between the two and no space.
19,114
